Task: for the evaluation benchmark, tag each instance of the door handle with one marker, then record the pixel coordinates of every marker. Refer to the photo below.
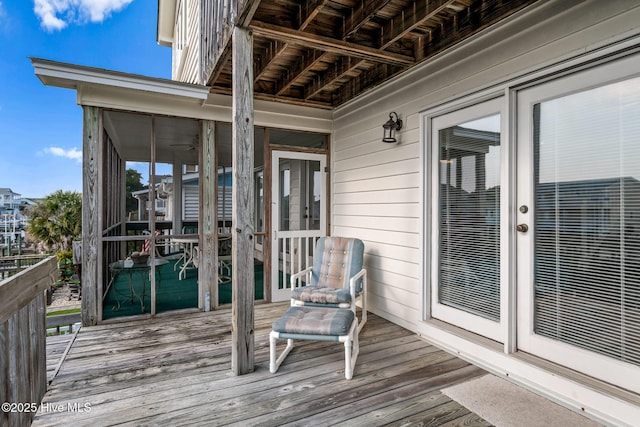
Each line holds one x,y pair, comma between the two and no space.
522,228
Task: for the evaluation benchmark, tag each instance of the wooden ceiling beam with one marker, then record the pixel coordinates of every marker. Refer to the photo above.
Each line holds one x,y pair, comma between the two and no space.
361,16
470,22
343,66
367,80
307,61
274,98
409,19
308,13
465,24
275,50
328,44
357,19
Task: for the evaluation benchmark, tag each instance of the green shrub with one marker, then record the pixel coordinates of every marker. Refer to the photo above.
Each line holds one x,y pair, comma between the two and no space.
65,267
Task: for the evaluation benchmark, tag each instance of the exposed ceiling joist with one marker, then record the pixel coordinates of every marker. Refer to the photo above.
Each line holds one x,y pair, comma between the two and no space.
308,12
325,43
361,16
418,14
322,53
339,69
306,62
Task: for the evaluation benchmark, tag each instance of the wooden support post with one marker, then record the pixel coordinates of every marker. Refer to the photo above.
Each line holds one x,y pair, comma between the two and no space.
152,215
242,357
208,216
90,215
177,206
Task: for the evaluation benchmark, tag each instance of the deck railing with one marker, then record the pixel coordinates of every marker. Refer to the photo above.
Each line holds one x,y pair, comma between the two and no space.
218,18
11,265
23,358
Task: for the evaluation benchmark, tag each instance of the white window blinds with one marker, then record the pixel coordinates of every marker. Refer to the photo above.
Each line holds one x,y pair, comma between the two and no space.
469,218
587,220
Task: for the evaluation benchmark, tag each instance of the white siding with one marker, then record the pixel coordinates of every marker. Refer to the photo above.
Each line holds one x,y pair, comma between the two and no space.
224,203
186,51
190,203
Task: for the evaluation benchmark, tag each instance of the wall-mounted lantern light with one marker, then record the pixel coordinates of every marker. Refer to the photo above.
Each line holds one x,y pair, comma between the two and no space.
390,128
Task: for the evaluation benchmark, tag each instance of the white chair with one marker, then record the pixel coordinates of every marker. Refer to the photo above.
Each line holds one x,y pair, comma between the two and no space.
324,308
336,279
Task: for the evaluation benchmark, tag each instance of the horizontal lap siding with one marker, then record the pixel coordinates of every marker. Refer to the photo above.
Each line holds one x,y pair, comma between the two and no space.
376,197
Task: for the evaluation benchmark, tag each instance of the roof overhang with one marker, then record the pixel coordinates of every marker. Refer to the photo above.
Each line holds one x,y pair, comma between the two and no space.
166,22
71,76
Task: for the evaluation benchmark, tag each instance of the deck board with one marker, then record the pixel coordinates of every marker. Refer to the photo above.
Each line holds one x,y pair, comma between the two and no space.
176,370
56,346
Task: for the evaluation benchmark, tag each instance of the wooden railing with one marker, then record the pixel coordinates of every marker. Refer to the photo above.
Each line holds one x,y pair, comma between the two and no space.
11,265
218,18
23,358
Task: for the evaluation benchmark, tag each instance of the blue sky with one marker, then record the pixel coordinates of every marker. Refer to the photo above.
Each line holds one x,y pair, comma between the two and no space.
41,126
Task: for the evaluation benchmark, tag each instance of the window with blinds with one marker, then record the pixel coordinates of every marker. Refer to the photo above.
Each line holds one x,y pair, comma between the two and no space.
469,217
587,220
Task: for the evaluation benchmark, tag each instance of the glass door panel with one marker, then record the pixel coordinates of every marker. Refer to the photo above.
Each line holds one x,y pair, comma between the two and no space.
259,214
466,278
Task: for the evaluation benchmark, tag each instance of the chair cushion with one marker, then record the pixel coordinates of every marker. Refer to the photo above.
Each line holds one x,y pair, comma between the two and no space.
314,321
321,295
335,261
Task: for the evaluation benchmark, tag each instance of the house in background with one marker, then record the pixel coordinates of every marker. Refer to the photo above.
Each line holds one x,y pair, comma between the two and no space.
190,197
12,219
501,223
9,199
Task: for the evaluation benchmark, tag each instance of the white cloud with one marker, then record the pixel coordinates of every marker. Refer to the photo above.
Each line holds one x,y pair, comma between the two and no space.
57,14
73,153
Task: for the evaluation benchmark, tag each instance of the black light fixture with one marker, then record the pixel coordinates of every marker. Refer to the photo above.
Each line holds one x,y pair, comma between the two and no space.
390,128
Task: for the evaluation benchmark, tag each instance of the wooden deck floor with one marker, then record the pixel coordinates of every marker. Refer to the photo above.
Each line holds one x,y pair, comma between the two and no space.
176,371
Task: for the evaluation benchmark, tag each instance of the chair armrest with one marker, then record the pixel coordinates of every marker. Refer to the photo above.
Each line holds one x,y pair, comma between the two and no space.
352,284
294,278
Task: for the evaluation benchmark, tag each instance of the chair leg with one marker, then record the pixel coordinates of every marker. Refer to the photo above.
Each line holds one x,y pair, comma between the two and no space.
274,363
351,350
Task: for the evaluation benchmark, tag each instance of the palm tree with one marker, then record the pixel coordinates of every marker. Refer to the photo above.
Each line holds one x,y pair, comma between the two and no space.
57,220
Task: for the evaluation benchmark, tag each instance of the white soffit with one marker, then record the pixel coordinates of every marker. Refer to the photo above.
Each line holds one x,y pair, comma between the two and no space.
71,76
